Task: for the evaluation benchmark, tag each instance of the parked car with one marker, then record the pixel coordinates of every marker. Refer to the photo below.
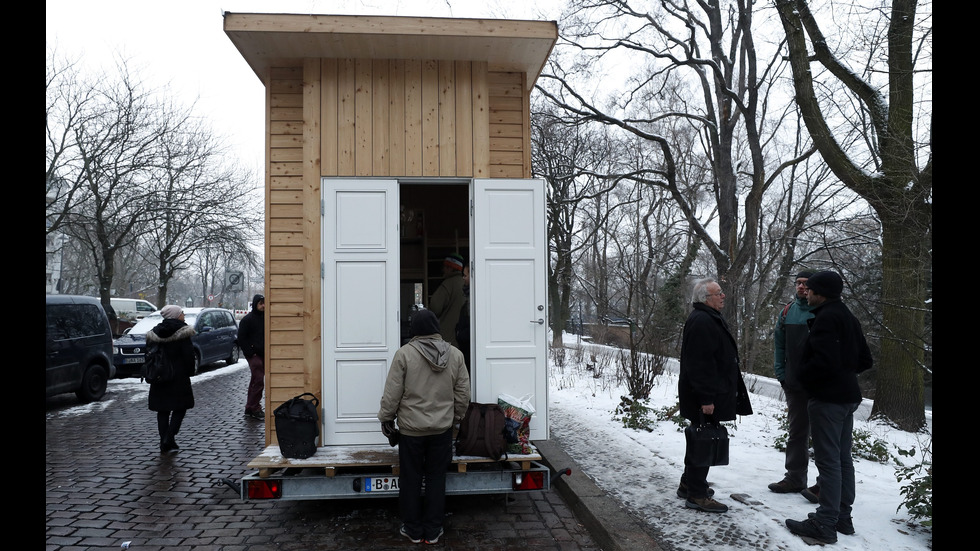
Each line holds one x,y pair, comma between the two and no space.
129,311
78,343
214,341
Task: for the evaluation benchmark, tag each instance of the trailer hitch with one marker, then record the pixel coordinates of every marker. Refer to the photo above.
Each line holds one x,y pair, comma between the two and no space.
558,474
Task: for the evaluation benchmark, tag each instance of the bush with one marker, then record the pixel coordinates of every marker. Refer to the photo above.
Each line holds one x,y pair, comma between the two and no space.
917,492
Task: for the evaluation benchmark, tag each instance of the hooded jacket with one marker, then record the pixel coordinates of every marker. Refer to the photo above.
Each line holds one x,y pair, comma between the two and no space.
834,353
251,331
428,387
174,337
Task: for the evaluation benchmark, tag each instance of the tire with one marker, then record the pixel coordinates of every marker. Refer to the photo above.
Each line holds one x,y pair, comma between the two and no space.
197,363
94,384
236,354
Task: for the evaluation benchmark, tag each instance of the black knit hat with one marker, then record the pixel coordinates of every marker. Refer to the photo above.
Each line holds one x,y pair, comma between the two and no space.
806,274
424,322
827,284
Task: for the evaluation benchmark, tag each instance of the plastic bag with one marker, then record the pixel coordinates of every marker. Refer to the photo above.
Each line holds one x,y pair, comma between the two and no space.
518,412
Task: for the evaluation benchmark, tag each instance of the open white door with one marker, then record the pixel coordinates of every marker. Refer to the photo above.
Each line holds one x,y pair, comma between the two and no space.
360,305
509,295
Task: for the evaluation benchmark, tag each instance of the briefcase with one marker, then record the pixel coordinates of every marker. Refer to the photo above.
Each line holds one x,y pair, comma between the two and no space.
707,444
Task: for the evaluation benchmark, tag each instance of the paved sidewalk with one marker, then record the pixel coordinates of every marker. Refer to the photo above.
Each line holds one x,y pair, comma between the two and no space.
107,484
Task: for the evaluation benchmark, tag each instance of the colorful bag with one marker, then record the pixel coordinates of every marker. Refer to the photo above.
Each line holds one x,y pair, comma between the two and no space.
518,412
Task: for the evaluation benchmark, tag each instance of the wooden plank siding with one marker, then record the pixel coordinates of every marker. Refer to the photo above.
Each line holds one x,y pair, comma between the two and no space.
366,118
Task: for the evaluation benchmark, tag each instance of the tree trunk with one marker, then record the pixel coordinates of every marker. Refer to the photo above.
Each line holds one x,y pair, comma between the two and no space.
899,395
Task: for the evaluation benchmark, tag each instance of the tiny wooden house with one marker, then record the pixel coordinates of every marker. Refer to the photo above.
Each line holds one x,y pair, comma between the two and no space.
390,143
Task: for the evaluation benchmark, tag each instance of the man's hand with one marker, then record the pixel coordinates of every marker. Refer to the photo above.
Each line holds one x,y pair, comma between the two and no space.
391,433
708,409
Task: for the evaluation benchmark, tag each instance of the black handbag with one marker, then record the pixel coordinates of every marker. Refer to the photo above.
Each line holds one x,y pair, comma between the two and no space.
298,426
707,444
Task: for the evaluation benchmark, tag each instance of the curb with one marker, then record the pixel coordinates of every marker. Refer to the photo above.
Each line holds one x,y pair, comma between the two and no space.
611,526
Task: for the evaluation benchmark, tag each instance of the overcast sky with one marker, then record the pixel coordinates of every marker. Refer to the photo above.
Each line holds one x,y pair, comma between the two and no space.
181,44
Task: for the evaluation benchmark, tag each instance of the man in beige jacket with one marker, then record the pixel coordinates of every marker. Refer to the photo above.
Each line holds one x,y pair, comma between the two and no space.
427,391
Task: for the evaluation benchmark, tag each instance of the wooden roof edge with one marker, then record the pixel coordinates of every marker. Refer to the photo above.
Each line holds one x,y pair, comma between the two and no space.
389,24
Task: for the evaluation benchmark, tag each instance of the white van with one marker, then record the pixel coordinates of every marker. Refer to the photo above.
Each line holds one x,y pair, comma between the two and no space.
131,310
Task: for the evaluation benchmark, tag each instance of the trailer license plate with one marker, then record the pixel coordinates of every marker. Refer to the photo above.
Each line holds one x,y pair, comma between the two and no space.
133,360
381,484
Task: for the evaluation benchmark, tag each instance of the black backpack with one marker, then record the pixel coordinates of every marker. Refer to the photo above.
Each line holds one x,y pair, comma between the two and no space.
157,368
298,426
481,432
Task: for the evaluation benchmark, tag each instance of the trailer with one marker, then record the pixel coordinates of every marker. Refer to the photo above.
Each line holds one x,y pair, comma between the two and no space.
392,142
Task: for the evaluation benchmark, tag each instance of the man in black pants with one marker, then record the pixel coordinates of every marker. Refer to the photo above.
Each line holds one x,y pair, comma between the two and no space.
428,391
834,353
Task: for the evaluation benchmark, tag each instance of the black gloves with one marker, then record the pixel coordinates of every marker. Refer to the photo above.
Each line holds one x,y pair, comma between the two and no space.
391,433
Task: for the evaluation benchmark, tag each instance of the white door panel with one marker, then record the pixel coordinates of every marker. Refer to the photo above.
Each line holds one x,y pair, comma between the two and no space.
509,294
360,289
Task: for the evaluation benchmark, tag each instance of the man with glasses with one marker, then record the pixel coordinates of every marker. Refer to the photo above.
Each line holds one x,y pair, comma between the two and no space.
710,383
790,334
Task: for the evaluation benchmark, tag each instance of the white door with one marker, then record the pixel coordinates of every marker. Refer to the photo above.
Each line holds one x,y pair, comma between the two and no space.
509,291
360,305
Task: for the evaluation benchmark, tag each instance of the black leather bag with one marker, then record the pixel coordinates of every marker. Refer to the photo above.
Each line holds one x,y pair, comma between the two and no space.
298,426
707,444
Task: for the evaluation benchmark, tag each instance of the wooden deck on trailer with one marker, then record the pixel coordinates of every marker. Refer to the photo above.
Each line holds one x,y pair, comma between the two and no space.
332,458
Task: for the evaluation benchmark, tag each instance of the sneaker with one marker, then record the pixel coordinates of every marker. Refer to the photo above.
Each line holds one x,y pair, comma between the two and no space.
706,504
682,491
812,494
255,414
435,539
844,525
404,532
812,529
785,487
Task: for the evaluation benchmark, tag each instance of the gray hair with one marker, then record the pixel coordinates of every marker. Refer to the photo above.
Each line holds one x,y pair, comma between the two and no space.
700,291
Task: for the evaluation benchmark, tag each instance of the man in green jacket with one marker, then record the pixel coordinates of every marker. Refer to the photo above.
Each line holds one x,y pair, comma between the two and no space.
790,334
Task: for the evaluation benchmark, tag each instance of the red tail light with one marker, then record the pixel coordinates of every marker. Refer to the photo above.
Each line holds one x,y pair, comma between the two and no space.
529,481
264,489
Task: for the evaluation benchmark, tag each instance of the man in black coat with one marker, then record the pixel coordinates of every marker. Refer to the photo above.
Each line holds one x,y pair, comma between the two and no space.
251,339
833,354
710,383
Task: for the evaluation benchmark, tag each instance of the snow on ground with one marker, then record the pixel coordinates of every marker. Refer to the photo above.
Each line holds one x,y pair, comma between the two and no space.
642,469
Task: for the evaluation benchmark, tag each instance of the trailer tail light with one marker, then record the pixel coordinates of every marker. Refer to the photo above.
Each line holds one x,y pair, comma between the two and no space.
533,480
264,489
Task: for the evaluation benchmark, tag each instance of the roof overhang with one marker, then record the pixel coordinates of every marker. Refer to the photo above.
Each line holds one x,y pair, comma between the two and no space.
505,44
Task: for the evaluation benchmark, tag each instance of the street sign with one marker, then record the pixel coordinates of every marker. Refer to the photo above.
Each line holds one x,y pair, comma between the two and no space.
234,281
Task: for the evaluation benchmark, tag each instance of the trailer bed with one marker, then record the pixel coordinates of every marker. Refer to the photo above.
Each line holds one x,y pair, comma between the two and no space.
337,472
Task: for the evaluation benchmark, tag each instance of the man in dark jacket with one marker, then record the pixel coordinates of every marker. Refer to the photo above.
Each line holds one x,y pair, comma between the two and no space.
834,353
710,383
251,339
788,337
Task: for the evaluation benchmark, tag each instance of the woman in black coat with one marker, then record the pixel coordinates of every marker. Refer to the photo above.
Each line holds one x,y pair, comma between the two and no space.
173,398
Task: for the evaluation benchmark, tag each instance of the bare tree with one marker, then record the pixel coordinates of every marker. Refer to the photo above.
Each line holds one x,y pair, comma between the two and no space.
880,146
697,68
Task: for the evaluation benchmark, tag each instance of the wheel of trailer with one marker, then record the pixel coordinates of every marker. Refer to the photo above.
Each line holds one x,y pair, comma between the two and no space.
94,383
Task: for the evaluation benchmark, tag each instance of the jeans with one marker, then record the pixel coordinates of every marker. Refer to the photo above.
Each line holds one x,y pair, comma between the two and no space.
831,426
798,443
255,385
428,458
168,423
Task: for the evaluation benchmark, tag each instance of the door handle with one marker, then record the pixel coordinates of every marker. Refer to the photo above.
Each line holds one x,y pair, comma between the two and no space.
539,321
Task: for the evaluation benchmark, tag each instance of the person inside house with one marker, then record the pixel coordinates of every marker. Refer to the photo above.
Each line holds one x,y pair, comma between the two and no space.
448,299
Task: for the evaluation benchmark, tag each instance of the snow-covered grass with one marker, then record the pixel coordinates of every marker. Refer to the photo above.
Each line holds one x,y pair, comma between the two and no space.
642,467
